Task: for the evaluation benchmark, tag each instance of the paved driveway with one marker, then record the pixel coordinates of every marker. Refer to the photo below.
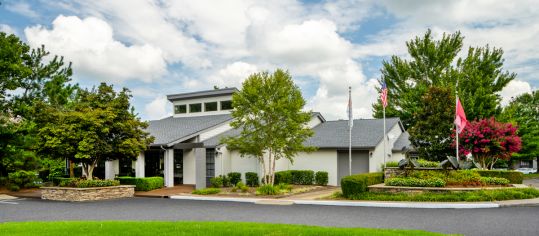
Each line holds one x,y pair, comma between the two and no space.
498,221
532,182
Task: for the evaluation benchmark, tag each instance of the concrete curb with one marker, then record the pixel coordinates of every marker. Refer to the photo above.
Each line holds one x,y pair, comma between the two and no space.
423,205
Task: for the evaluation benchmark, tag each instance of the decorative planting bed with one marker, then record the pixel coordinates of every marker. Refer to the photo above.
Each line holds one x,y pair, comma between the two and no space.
87,194
403,189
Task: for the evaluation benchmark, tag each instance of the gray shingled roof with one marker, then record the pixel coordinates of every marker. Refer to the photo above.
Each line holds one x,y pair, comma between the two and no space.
199,94
171,129
366,133
402,142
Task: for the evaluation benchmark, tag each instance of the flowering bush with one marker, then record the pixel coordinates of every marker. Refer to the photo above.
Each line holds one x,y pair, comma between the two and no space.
488,140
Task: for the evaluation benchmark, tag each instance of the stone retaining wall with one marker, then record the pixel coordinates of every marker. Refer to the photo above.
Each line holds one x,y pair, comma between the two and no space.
87,194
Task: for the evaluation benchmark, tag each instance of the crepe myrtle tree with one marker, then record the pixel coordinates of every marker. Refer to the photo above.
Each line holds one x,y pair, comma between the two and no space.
269,112
100,125
488,141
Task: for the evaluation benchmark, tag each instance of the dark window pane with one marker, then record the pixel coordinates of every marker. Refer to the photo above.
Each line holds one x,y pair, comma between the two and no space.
210,106
180,109
197,107
226,105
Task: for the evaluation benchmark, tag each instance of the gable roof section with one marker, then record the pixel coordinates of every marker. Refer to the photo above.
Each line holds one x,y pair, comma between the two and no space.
173,129
403,142
201,94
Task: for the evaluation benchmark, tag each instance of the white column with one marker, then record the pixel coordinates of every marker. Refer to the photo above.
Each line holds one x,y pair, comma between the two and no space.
140,164
112,168
169,168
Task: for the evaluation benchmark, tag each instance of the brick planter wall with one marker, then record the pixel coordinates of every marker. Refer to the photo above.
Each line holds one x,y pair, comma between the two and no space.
390,172
87,194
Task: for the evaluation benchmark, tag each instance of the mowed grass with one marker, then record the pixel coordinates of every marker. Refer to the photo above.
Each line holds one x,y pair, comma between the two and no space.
184,228
532,176
470,196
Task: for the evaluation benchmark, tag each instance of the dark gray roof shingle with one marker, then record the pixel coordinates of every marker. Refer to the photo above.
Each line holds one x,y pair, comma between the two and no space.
171,129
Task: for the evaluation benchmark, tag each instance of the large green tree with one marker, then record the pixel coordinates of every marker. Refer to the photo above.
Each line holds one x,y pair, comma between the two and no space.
523,111
433,62
269,112
431,134
101,125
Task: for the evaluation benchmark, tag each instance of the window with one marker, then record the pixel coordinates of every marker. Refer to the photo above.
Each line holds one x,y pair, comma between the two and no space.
197,107
226,105
180,109
210,106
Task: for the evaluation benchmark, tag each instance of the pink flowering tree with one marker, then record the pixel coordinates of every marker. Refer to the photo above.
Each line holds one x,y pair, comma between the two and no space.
488,141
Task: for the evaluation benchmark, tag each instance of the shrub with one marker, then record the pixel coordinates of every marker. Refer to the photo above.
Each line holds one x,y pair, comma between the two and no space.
302,177
463,177
234,177
207,191
415,182
220,181
356,184
284,187
321,178
427,174
267,190
251,179
390,164
88,183
13,188
143,184
425,163
514,177
240,186
23,178
283,177
494,181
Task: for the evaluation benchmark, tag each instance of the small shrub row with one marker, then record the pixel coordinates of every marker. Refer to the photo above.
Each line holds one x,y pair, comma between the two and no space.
207,191
251,179
88,183
240,186
494,181
514,177
458,177
273,189
301,177
220,181
428,164
321,178
356,184
234,177
415,182
143,184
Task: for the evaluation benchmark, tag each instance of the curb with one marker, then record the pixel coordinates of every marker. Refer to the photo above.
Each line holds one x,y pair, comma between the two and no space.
420,205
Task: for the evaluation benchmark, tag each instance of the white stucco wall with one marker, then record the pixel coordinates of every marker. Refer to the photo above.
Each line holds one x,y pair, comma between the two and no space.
377,158
321,160
189,168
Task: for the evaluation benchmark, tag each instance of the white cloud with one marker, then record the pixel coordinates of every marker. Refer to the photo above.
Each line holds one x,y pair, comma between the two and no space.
158,108
6,29
233,74
513,89
89,43
23,9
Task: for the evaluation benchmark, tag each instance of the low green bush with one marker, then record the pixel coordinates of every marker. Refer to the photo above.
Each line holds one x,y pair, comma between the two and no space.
88,183
415,182
23,179
390,164
251,179
234,177
321,178
283,177
267,190
463,177
428,164
207,191
514,177
240,186
220,181
302,177
494,181
355,184
427,174
143,184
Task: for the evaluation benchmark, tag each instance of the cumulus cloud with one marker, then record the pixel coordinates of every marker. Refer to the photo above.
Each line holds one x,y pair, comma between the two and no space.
89,43
158,108
6,29
513,89
233,74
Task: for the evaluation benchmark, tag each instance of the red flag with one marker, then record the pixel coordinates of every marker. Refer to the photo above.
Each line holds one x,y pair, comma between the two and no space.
383,94
460,117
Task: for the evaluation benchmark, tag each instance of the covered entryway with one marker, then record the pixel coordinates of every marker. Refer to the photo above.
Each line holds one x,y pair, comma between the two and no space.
360,163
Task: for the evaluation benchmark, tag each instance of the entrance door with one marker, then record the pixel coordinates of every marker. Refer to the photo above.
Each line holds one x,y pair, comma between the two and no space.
178,166
360,163
210,165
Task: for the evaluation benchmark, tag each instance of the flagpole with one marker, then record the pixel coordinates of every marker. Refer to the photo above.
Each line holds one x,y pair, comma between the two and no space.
385,152
456,111
350,132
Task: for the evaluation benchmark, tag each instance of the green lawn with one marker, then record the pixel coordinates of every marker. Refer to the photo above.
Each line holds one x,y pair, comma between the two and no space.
532,176
470,196
184,228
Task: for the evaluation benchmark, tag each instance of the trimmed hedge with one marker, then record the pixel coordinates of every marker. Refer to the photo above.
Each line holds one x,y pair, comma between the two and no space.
321,178
220,181
494,181
251,179
514,177
415,182
356,184
300,177
88,183
234,177
283,177
143,184
207,191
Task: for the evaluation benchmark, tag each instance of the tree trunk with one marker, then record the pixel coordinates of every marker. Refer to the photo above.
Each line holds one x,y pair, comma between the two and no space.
273,170
263,167
71,169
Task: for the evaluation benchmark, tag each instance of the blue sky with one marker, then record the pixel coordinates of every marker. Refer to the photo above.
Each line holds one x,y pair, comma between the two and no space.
163,47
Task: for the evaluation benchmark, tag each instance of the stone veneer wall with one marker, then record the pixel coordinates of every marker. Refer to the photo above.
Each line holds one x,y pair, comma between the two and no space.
87,194
390,172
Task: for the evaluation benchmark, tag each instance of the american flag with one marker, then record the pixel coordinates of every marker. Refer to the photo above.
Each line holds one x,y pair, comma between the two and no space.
383,94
